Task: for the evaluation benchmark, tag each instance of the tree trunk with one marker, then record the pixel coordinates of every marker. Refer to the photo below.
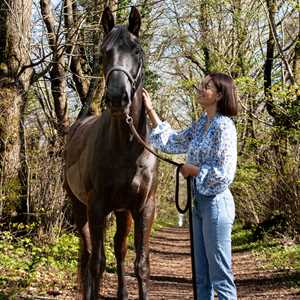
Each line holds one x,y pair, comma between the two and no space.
269,56
239,39
205,34
72,49
297,62
57,71
87,89
15,36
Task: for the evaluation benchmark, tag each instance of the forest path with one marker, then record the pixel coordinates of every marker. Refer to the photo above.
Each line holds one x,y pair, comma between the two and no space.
171,273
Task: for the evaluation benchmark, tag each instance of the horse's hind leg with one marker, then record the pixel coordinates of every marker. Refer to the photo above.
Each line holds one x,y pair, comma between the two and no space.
80,217
123,221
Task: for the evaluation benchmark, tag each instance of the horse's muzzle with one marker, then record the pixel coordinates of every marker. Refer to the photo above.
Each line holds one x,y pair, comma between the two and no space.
119,111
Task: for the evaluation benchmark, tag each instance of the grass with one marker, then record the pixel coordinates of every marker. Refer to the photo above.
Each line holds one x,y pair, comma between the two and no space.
41,265
272,253
282,257
244,240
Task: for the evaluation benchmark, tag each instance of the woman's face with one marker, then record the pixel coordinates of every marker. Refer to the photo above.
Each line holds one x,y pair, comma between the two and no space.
207,93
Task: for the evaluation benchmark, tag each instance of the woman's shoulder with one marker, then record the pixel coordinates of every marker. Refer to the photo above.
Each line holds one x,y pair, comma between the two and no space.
223,122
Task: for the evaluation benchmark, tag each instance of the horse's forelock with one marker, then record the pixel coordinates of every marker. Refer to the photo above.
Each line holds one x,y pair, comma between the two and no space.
119,31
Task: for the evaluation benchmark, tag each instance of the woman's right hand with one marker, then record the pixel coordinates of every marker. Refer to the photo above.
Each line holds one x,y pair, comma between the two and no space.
149,109
147,100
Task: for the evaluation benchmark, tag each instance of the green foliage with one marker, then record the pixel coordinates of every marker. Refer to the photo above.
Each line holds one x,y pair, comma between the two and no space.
24,261
122,12
166,212
247,85
109,248
282,257
11,191
286,105
276,254
244,239
151,83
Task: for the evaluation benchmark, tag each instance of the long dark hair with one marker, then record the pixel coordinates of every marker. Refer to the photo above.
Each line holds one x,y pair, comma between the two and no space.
228,104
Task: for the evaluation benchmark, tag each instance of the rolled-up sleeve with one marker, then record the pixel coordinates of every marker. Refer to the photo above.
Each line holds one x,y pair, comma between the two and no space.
216,174
168,140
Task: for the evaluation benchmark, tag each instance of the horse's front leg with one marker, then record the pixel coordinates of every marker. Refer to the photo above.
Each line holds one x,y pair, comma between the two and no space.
123,221
96,265
142,228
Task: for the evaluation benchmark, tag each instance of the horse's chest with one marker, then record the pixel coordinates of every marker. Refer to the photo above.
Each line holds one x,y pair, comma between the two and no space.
125,178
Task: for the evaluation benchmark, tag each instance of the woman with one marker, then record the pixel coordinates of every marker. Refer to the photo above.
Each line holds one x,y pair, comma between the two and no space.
211,148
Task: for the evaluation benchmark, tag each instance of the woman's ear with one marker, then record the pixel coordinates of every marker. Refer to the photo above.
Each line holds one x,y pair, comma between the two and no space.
219,96
107,20
134,21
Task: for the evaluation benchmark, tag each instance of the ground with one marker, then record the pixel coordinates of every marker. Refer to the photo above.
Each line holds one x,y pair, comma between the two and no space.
171,275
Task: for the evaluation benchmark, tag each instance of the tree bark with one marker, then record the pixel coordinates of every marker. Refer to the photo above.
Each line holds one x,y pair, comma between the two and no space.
73,51
57,71
86,78
239,36
15,37
296,66
271,4
205,33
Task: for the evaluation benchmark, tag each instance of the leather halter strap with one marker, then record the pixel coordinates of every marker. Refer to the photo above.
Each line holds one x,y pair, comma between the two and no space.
133,81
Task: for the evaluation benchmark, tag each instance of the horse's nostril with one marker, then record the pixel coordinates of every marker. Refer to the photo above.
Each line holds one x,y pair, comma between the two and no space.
118,100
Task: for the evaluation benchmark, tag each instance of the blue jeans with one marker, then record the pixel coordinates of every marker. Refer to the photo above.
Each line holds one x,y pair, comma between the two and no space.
213,217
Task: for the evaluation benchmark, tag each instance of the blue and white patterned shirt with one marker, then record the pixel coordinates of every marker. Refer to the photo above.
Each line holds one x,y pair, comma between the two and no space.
214,151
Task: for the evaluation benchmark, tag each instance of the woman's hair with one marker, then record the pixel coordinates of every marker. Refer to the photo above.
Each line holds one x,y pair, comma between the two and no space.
228,104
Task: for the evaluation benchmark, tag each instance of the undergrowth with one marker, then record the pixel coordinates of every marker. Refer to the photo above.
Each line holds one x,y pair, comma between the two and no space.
32,263
282,254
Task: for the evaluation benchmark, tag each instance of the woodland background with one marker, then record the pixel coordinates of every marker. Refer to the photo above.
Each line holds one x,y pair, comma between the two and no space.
50,64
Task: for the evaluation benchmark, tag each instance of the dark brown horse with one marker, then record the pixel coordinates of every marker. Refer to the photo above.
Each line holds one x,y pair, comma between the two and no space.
107,170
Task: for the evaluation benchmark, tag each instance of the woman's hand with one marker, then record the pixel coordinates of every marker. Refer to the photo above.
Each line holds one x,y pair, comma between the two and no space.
189,170
147,100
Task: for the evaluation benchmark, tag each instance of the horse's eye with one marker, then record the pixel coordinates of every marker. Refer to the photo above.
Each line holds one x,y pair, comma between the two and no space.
136,50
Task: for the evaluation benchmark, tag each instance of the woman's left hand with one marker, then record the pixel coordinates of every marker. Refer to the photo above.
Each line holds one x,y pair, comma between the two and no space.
189,170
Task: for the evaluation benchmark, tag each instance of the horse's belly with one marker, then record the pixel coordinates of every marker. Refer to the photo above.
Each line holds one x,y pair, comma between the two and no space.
75,183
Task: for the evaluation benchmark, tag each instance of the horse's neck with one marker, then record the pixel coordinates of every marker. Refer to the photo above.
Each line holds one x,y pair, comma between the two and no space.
138,115
119,131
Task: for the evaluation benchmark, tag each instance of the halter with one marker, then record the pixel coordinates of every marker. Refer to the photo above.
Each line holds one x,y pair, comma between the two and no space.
133,81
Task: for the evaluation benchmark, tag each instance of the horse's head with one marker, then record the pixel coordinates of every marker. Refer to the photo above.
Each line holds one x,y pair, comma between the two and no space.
122,60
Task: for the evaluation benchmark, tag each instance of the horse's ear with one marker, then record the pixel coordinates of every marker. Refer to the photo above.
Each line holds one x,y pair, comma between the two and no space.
134,21
107,20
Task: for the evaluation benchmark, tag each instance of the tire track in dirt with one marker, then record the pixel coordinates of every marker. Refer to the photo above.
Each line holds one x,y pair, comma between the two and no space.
171,273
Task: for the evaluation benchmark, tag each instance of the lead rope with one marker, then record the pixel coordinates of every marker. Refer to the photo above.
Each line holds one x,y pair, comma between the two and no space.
188,205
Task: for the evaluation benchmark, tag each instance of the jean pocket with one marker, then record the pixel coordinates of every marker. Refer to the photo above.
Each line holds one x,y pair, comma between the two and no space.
230,209
211,209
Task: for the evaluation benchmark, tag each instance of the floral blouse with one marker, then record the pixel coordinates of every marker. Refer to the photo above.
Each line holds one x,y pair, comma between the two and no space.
214,151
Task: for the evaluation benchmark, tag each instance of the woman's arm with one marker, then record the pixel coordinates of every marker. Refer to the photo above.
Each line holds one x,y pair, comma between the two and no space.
163,137
153,116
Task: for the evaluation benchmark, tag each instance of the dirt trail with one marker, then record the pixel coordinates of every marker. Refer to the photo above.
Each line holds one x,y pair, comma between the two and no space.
171,273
